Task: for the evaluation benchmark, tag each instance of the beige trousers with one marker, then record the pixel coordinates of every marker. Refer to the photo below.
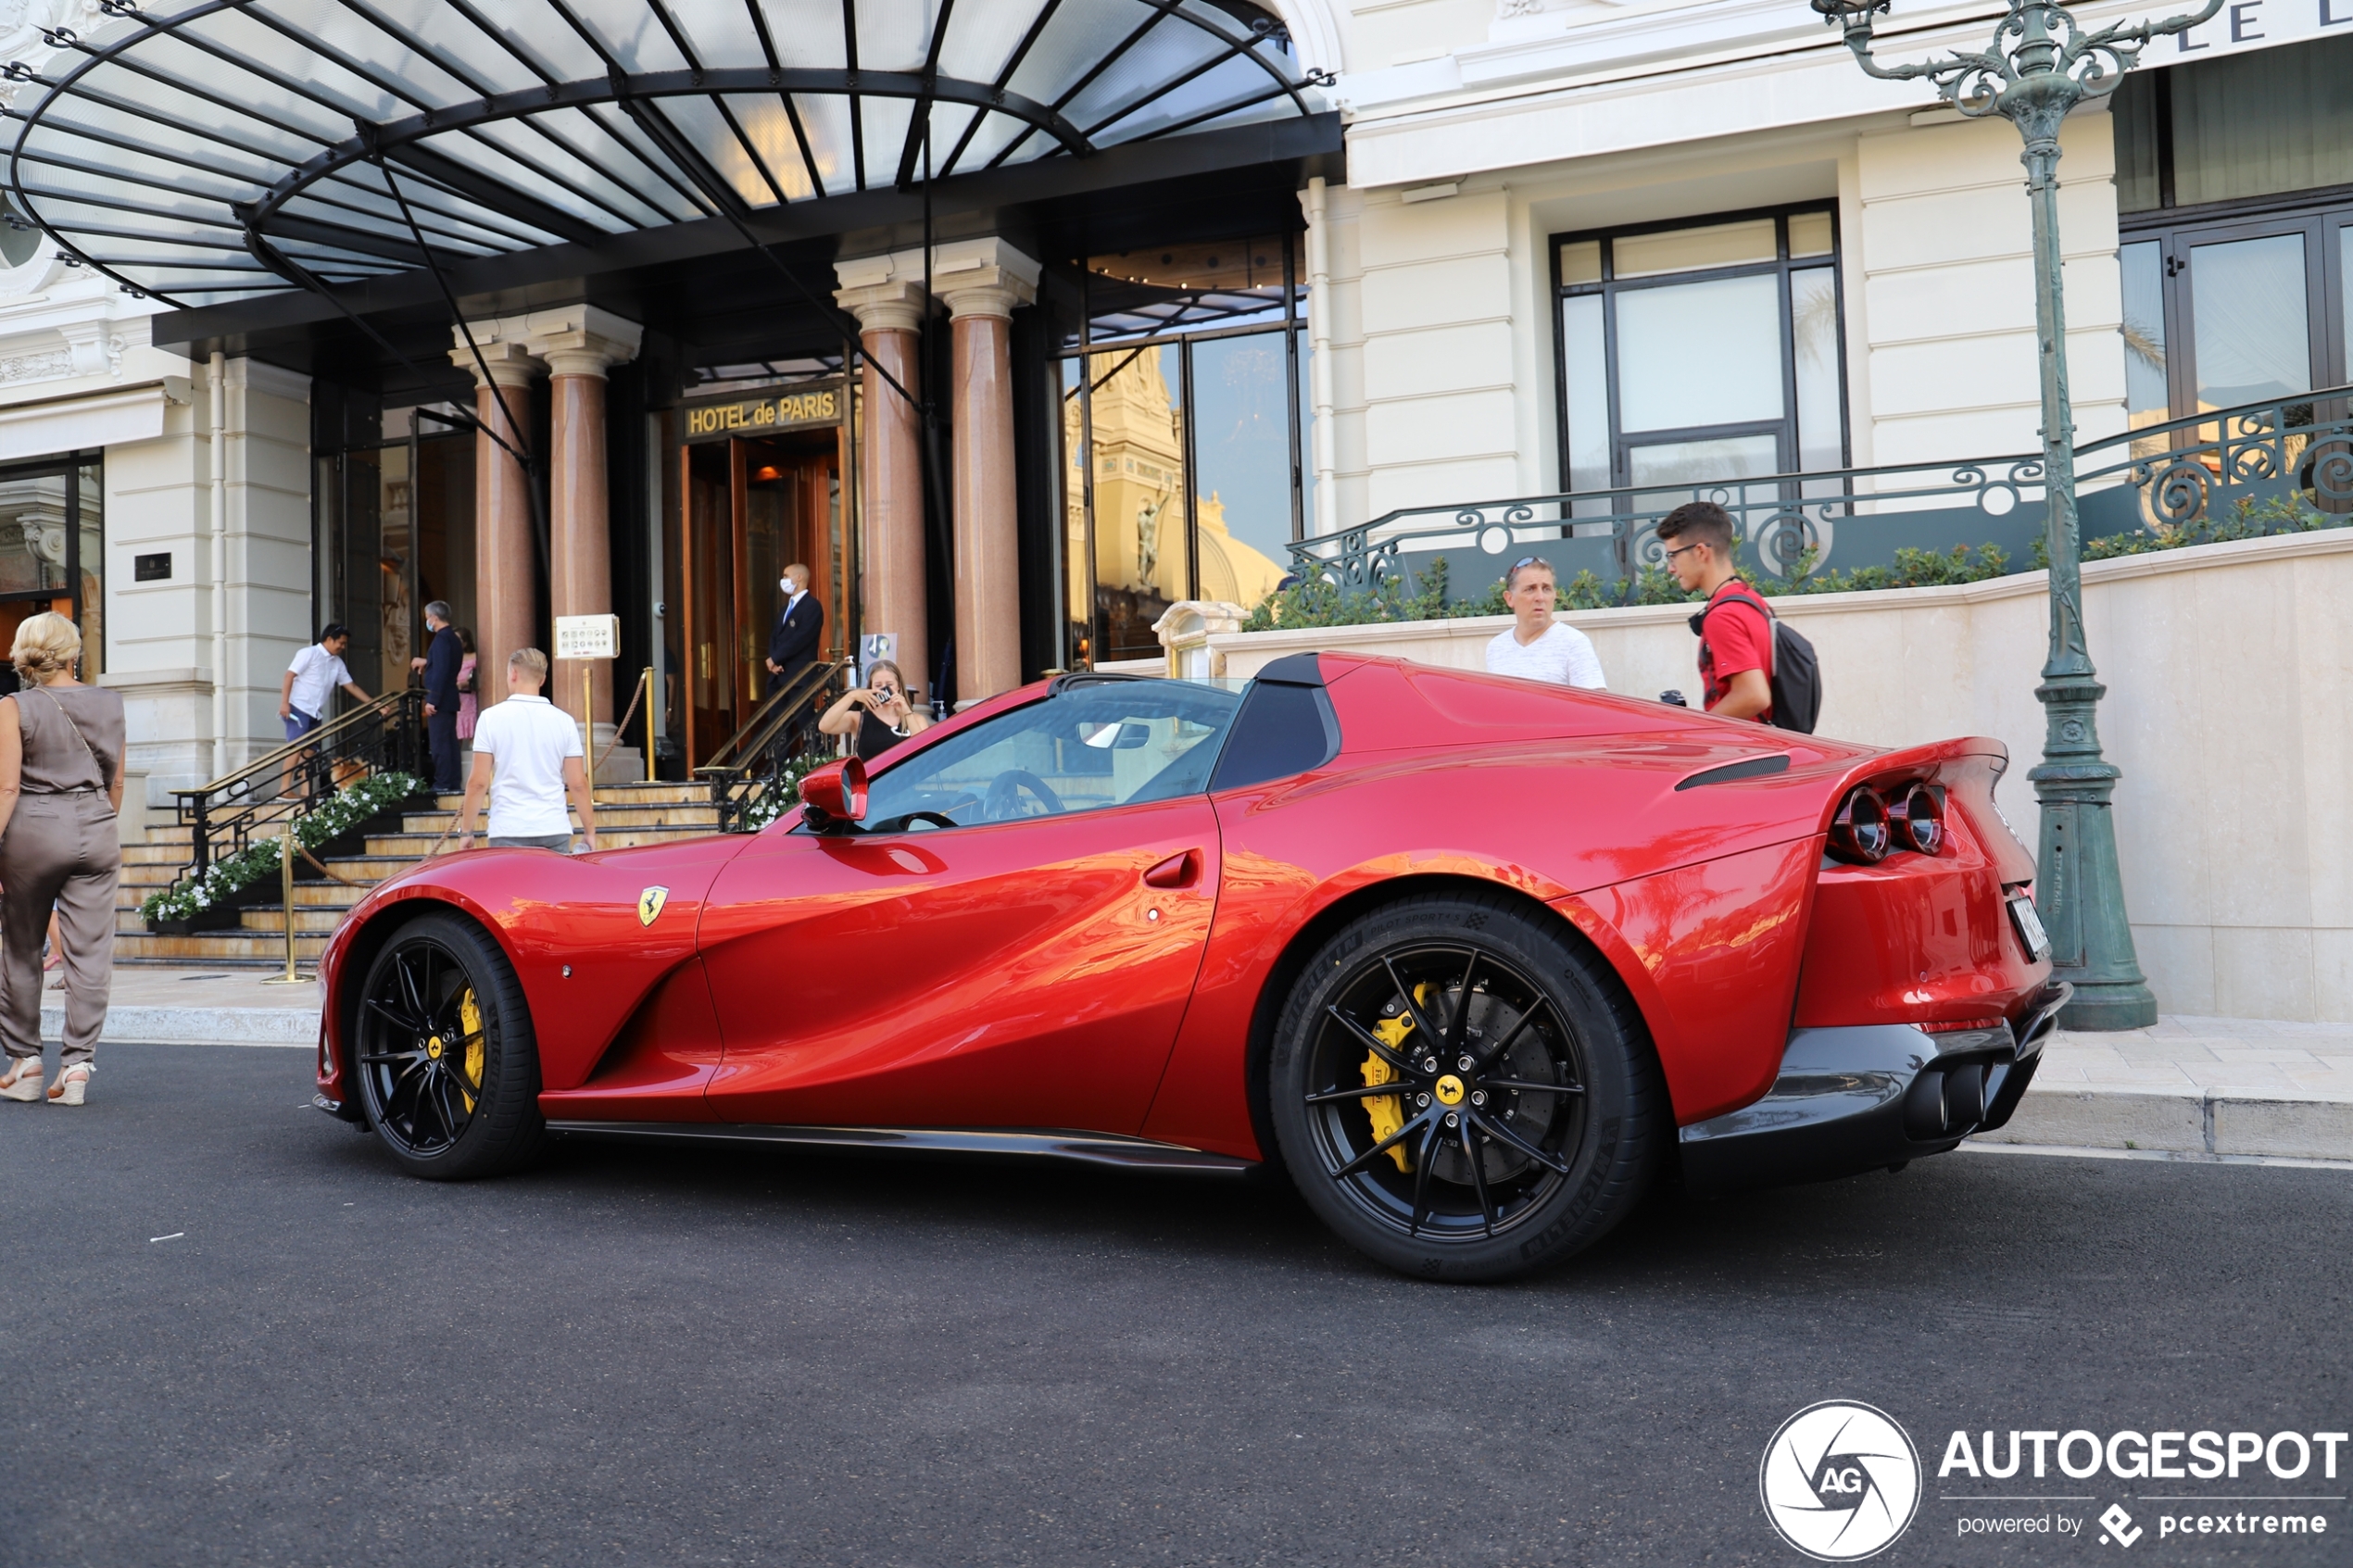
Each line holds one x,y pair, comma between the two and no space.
60,851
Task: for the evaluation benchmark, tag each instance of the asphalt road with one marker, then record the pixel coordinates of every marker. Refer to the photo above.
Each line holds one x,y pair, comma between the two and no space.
643,1356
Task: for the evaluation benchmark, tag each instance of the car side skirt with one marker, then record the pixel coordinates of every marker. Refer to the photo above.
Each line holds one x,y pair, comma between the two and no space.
1085,1148
1862,1098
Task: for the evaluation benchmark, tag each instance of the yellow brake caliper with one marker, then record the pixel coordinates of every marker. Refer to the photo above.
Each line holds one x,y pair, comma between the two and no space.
1387,1111
470,1020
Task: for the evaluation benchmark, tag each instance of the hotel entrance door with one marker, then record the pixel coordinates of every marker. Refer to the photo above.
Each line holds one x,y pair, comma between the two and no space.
754,506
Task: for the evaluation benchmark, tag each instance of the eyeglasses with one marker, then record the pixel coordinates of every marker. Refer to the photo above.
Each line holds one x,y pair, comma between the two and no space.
1672,554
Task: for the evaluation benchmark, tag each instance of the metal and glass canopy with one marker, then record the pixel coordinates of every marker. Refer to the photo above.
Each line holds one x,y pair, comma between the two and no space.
205,151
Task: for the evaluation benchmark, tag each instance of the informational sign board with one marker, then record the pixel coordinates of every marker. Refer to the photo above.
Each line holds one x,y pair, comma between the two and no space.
873,648
587,636
808,405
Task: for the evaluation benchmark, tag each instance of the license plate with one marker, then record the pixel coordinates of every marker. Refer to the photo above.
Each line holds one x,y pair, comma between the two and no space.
2030,927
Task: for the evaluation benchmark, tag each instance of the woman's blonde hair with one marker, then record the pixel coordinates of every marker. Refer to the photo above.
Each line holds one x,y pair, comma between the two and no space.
48,645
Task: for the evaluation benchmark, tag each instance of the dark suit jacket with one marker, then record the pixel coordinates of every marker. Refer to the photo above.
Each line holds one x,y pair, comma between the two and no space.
794,642
442,659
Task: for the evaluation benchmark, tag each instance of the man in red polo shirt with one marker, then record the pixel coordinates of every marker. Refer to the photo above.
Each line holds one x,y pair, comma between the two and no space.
1736,640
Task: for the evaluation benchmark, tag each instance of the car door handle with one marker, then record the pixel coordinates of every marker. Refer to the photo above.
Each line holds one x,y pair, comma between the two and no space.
1177,870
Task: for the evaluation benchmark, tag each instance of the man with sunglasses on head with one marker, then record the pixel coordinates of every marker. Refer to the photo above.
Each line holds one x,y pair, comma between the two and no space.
1736,640
1538,648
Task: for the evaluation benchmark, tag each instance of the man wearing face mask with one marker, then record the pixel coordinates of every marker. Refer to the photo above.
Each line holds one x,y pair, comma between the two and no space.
794,642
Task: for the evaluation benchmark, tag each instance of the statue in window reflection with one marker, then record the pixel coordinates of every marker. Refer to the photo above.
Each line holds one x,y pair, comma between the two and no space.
1148,516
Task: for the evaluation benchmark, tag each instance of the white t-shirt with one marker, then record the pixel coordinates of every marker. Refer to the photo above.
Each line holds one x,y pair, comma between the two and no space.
317,676
1562,655
531,737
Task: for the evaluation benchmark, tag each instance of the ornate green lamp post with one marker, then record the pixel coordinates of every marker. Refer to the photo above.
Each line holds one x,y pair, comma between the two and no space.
2039,66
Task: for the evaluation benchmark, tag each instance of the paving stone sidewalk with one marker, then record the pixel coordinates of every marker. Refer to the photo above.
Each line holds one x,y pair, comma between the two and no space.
2195,1087
2221,1086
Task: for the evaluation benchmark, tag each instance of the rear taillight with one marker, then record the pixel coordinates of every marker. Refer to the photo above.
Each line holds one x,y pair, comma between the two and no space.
1920,821
1964,1023
1860,833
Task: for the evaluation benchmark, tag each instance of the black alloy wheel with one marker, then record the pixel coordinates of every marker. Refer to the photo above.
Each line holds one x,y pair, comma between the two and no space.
1461,1090
448,1066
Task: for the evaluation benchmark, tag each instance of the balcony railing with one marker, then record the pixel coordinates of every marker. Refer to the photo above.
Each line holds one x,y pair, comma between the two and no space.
2185,477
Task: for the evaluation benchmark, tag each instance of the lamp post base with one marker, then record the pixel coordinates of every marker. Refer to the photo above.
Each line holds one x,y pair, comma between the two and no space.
2078,885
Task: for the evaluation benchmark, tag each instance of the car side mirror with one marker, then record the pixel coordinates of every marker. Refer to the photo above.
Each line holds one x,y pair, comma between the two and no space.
834,796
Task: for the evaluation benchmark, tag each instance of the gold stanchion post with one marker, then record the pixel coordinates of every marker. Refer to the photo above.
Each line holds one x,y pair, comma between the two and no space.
648,678
285,885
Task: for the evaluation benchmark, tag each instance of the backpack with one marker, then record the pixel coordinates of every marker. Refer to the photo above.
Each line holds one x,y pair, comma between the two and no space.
1797,678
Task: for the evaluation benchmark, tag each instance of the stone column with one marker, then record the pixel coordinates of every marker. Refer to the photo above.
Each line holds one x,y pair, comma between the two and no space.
890,483
578,344
981,282
506,567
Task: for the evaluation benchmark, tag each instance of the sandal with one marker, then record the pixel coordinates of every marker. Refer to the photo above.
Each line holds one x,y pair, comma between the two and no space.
72,1082
22,1081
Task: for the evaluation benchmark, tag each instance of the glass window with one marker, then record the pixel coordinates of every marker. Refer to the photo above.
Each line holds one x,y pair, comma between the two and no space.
1087,746
2260,123
1184,443
53,553
1700,353
2253,337
1743,368
1242,466
1587,375
2255,124
2146,401
1702,462
2343,305
1813,319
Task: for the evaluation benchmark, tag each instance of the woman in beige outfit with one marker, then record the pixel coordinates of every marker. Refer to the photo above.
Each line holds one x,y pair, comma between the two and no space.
60,783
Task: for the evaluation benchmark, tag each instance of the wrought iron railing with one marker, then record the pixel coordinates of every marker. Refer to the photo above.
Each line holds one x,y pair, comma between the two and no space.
227,815
747,773
2187,475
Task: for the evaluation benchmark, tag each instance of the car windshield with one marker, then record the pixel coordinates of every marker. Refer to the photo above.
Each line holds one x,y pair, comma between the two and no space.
1091,744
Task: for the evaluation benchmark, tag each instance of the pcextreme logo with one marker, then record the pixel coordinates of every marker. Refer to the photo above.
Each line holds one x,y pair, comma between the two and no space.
1840,1480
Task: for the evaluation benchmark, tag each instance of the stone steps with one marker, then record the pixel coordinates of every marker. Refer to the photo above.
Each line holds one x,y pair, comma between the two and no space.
628,814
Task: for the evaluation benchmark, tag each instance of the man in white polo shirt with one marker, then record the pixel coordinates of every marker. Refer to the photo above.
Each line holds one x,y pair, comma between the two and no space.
310,681
527,759
1538,648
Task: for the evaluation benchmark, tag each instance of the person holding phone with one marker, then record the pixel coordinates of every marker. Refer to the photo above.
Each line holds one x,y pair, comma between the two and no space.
877,715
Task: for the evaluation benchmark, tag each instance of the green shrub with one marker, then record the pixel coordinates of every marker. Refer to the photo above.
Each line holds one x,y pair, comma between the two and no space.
190,895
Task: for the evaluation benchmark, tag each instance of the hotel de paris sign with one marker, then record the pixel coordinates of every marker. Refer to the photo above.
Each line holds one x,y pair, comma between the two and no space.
769,411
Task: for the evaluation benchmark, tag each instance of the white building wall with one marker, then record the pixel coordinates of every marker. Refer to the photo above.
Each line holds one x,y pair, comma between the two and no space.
1440,393
270,567
162,653
1945,248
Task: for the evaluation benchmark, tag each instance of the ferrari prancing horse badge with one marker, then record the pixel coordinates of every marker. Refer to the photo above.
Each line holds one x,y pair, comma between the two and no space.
649,904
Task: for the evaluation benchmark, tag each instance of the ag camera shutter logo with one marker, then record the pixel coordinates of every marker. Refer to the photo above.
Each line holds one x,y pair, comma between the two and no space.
1840,1481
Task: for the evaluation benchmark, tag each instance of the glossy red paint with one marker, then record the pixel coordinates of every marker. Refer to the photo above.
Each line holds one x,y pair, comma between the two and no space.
1108,971
1923,938
1013,975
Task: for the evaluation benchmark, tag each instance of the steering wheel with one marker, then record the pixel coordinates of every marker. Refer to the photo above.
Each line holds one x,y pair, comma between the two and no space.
934,818
1002,803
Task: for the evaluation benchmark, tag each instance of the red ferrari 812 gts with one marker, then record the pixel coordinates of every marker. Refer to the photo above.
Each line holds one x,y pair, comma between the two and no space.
1473,961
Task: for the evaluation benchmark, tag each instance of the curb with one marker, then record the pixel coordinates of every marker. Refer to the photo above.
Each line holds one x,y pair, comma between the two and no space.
195,1027
2212,1121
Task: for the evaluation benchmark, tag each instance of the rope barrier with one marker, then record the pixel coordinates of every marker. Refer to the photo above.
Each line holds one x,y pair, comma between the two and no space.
637,694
